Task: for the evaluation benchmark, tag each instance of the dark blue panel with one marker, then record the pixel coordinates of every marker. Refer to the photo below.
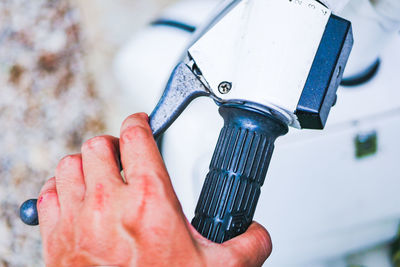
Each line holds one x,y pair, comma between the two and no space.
326,73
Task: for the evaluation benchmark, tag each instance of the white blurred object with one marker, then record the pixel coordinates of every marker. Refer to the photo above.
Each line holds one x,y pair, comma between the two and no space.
335,5
262,40
144,64
327,204
375,23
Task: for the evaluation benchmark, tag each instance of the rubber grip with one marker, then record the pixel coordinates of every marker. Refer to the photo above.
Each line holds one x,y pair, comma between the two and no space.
237,172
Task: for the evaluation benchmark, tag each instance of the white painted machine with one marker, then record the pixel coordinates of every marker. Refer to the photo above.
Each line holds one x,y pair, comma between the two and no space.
328,194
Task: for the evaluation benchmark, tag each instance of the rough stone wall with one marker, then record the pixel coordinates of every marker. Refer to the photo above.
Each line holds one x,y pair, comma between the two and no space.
56,91
49,104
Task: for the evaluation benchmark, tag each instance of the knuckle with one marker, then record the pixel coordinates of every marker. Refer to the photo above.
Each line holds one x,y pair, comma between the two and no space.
153,187
51,181
96,143
134,118
69,161
148,185
44,197
135,132
150,176
50,184
49,193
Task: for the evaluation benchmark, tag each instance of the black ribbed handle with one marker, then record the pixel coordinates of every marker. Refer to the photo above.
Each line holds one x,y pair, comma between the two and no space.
237,171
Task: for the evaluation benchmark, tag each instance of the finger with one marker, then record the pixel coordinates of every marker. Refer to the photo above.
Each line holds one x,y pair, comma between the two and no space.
48,207
146,176
100,165
70,183
139,152
251,248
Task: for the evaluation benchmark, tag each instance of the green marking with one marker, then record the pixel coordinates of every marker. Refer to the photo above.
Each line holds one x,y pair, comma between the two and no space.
366,145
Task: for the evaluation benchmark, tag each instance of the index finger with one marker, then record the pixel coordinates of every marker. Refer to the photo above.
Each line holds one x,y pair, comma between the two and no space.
139,152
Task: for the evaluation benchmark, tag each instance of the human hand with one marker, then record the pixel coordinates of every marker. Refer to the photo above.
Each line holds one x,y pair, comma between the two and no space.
90,217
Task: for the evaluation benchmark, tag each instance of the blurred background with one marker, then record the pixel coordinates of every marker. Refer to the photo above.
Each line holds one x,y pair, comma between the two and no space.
70,70
57,90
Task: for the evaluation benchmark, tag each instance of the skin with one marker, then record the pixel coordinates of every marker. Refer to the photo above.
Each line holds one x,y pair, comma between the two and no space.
90,217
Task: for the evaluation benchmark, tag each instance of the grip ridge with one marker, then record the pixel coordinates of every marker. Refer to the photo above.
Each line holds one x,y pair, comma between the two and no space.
237,171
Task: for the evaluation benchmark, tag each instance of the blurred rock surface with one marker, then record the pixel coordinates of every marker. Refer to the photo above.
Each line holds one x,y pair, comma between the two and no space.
49,104
57,91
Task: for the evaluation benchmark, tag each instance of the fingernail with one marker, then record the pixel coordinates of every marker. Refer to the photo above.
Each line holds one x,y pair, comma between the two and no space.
119,164
123,177
118,160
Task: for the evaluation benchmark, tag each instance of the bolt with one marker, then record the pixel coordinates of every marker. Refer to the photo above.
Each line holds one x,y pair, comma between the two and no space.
225,87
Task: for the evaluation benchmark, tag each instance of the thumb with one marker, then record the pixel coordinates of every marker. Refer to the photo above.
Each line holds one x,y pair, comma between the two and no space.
253,247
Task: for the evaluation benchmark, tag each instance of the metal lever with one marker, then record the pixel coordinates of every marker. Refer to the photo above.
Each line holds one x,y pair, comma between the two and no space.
182,88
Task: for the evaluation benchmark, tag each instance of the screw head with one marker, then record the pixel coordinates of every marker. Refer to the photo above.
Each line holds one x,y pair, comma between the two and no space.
225,87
